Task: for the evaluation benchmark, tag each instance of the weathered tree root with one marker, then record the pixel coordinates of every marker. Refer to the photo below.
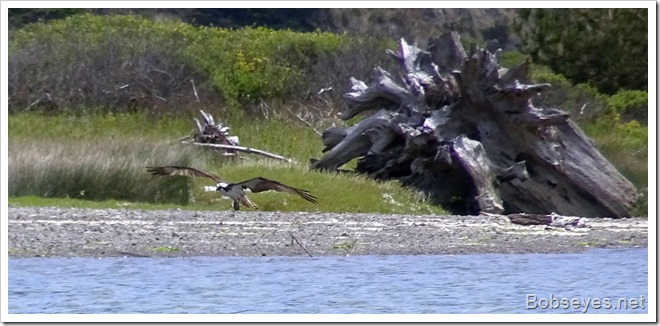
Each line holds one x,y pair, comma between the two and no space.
464,130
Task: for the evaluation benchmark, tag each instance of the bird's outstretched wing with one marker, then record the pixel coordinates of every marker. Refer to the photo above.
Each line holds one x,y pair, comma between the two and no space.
183,171
260,184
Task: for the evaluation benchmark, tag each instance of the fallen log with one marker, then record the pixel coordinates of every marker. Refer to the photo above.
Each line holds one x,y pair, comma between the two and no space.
464,130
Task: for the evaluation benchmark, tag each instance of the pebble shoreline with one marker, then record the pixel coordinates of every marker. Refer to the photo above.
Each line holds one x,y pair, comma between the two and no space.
64,232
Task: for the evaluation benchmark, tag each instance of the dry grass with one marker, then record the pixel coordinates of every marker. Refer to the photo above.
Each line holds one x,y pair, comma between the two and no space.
95,170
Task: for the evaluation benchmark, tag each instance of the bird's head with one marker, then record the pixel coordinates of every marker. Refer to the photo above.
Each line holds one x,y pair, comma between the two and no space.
222,186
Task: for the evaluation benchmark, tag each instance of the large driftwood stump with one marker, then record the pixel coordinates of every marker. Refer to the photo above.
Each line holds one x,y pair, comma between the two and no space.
464,130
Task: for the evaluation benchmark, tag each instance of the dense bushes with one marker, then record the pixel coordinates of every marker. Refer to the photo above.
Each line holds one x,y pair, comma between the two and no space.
87,62
585,104
631,105
125,63
604,47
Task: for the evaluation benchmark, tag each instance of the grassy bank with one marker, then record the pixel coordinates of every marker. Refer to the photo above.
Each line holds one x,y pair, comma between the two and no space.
103,158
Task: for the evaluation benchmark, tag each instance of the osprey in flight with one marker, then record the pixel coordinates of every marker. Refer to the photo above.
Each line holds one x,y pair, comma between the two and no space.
233,190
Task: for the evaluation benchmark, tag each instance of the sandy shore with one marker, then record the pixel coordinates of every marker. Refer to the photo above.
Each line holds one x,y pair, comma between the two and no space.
58,232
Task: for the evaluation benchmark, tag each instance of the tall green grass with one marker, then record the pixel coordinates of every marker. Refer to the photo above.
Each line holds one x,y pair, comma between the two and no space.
277,134
98,126
625,145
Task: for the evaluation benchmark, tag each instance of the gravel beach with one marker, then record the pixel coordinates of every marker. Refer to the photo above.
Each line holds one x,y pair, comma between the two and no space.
60,232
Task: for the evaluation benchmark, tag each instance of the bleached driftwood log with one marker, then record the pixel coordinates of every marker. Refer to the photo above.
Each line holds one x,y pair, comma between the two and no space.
464,130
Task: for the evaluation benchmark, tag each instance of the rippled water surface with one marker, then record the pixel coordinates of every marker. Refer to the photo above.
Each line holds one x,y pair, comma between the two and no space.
481,283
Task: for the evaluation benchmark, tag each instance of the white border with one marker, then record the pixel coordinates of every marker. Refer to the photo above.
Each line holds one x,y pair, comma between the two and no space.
5,317
383,318
3,163
653,163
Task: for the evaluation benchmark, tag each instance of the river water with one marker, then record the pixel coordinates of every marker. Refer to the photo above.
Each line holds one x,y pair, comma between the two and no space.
476,283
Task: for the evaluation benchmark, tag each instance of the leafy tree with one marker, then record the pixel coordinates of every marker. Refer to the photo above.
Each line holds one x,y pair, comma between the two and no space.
606,48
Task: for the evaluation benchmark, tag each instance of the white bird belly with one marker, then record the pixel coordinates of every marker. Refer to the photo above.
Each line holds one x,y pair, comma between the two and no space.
234,192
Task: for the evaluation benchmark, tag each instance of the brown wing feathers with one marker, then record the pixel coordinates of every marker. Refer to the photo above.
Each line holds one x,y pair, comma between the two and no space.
260,184
172,170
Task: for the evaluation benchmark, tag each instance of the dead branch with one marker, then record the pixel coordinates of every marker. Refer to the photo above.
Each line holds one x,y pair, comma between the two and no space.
245,150
192,81
304,121
298,242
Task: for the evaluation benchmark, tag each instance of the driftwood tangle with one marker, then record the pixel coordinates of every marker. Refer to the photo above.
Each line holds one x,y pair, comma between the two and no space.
208,132
216,136
463,130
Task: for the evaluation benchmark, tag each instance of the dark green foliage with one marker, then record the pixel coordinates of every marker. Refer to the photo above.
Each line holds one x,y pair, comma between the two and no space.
298,19
499,32
21,16
606,48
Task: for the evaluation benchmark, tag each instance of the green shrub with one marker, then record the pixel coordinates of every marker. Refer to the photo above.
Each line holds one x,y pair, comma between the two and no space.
252,64
508,59
113,63
630,105
158,66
